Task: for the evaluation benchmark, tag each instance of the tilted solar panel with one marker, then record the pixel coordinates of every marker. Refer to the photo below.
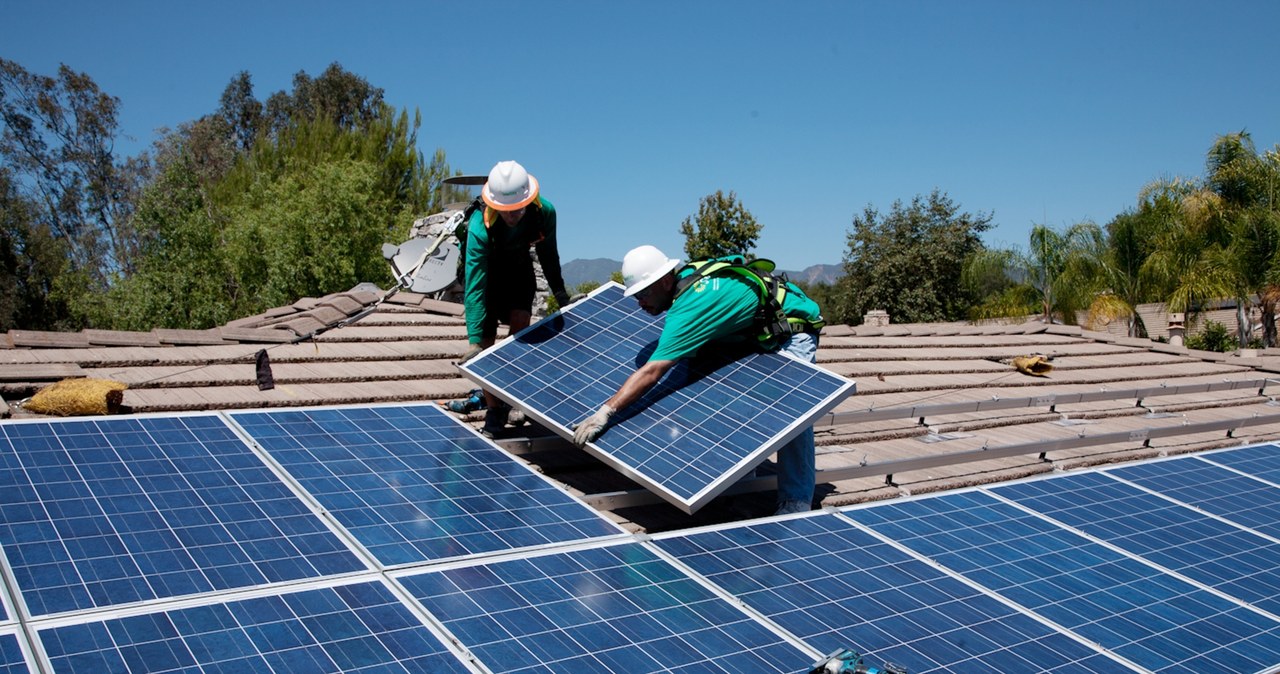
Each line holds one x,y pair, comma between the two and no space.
836,586
413,484
610,609
120,510
1143,614
709,422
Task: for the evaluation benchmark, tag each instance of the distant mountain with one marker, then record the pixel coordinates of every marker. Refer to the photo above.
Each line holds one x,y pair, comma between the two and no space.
598,270
818,273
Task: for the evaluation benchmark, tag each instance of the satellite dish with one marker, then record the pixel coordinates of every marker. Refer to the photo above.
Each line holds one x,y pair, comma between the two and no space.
439,268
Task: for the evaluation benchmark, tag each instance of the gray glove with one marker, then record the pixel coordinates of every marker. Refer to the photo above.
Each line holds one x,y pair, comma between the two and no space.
562,299
592,426
472,351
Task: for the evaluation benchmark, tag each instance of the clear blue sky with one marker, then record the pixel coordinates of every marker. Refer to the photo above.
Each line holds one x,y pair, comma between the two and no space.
631,112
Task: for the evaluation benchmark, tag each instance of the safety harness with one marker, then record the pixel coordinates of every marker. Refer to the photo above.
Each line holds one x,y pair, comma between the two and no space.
772,322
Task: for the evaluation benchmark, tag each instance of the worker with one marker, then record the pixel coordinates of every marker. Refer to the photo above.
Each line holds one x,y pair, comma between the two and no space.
498,269
719,307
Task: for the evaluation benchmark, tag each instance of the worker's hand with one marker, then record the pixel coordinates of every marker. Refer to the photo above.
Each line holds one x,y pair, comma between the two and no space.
472,351
562,299
592,426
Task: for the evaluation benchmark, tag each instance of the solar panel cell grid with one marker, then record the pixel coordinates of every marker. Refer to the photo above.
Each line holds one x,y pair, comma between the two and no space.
613,609
343,629
109,512
1201,482
835,586
1239,563
413,484
1155,620
12,659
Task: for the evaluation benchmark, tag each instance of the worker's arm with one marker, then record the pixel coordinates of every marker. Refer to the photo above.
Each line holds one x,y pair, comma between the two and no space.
635,386
639,383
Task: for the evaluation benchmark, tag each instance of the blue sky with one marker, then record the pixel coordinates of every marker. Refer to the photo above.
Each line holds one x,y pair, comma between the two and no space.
630,113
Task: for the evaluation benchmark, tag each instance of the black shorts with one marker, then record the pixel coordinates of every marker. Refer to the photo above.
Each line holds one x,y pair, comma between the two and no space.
507,292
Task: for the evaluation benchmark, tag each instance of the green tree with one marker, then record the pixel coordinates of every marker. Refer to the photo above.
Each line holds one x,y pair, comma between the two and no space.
909,262
56,145
1062,273
31,258
722,227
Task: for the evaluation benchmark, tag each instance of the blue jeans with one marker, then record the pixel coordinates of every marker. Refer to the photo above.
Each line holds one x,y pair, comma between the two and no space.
796,472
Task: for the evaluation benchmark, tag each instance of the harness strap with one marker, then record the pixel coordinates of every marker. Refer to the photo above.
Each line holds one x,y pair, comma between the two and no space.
770,316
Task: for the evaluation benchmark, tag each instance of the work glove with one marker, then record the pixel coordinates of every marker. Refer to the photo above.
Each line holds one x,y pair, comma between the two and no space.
592,426
562,299
472,351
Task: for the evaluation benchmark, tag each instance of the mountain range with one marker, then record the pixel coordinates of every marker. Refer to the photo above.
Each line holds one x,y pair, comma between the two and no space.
598,270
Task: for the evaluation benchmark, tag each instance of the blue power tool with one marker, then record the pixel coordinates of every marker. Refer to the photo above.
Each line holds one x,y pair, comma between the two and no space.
845,661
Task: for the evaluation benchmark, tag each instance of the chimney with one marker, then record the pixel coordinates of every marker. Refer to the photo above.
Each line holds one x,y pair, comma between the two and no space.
877,318
1177,328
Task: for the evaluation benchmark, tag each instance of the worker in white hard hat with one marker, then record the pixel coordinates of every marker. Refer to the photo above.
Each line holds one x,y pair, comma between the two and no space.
720,306
498,269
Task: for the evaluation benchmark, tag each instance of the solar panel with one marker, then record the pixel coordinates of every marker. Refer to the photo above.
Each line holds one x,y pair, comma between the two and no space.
413,484
706,424
114,511
1260,461
12,659
837,586
1146,616
350,628
1202,483
1222,556
618,609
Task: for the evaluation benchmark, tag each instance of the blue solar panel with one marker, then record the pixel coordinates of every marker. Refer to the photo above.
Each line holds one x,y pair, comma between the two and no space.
1148,617
413,484
617,609
1205,549
351,628
12,660
1261,461
706,424
113,511
1226,493
836,586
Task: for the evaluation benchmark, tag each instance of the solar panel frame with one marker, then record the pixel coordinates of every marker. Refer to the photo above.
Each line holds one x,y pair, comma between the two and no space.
411,483
709,422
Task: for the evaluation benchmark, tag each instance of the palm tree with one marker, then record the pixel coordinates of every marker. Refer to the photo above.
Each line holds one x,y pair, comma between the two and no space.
1060,274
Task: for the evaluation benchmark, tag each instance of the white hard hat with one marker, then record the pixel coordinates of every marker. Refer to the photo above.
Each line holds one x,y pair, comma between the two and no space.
509,187
644,265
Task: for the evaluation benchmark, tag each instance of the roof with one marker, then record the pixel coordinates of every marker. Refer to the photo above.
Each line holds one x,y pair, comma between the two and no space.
937,405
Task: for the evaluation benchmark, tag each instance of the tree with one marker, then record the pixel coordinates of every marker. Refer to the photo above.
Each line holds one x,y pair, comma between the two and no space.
910,261
1062,273
56,144
30,261
722,227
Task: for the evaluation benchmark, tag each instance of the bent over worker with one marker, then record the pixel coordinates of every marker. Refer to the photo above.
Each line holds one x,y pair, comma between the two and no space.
703,309
498,270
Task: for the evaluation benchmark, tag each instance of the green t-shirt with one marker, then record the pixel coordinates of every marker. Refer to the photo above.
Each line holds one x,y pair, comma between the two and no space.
721,307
